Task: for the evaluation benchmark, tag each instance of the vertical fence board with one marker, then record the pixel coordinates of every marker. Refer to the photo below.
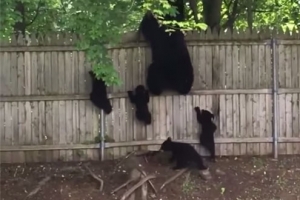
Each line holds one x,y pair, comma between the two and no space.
243,122
69,128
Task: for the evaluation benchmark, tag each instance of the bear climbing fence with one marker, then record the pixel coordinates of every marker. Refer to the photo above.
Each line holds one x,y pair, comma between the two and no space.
46,115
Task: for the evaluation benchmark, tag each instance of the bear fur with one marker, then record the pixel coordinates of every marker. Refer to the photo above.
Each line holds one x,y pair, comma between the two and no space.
98,95
184,154
171,63
141,99
204,117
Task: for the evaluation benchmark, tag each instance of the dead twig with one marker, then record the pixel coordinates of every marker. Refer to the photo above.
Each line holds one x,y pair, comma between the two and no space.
145,153
40,184
173,178
131,153
133,188
95,177
145,158
121,186
149,181
135,174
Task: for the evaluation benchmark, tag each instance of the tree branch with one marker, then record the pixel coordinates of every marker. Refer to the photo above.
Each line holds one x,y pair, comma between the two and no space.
36,14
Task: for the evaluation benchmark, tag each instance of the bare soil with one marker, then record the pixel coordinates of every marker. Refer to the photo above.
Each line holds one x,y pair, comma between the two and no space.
232,178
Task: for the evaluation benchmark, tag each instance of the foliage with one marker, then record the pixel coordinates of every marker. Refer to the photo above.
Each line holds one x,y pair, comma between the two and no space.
101,22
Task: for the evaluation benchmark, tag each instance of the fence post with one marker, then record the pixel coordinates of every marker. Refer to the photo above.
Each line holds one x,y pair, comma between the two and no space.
102,143
275,98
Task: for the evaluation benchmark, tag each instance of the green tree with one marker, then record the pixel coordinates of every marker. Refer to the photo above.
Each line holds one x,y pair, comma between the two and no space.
101,22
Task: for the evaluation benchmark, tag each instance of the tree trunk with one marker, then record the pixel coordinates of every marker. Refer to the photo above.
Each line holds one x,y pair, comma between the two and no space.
194,8
250,15
20,26
212,13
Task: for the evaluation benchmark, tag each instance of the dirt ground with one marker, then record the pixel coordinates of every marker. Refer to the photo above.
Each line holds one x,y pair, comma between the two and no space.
242,178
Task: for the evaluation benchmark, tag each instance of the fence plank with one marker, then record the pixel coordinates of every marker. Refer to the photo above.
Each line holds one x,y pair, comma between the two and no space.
76,128
256,83
89,129
69,129
122,133
82,129
236,123
116,127
282,119
262,122
243,122
56,132
49,132
249,122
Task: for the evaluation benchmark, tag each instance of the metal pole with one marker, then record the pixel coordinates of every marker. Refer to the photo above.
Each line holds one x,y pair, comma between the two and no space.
102,144
275,100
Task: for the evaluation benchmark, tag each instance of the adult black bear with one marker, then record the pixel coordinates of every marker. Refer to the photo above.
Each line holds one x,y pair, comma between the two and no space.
99,95
155,78
184,154
204,117
171,64
141,99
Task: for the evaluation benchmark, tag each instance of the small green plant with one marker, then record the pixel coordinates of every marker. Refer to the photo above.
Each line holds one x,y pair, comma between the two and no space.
187,185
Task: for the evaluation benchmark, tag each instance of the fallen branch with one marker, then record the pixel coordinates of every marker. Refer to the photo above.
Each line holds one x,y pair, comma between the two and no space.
149,181
121,186
40,184
95,177
131,153
146,153
173,178
144,191
133,188
134,175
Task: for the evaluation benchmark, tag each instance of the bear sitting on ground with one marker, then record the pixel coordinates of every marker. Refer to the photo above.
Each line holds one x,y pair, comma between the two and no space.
184,154
204,117
98,96
171,67
141,99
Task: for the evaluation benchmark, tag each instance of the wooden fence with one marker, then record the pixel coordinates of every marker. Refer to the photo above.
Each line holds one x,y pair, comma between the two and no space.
45,113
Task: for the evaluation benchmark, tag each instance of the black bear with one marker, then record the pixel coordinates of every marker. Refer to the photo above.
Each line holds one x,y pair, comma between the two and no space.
98,96
171,64
141,99
184,154
204,117
155,78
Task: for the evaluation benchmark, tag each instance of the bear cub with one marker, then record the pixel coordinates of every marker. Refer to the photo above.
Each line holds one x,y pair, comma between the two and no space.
98,96
184,154
141,99
204,117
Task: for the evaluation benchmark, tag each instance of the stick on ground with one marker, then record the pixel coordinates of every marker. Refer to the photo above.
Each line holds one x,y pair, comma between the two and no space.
131,153
121,186
95,177
173,178
135,174
149,181
140,183
41,183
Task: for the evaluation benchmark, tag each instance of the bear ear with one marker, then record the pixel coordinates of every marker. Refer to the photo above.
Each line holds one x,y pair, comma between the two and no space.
197,109
169,139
